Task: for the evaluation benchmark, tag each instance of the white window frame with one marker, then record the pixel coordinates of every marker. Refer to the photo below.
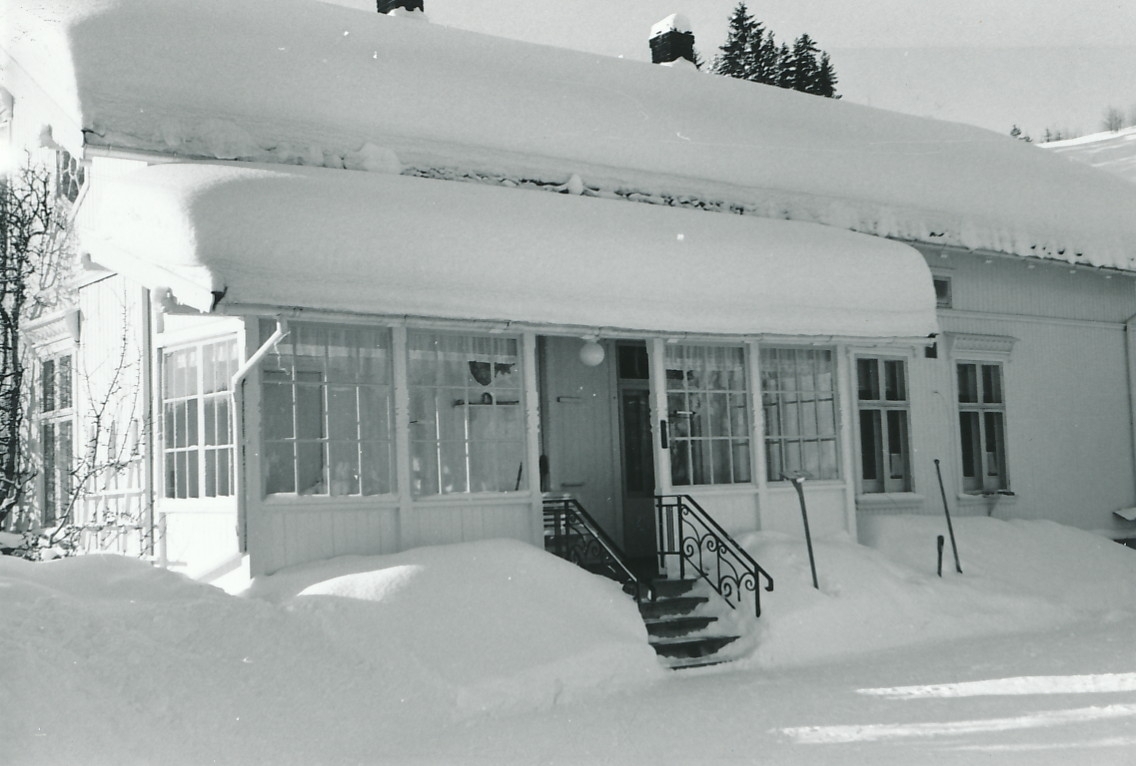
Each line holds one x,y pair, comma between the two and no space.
198,403
979,350
55,482
986,413
333,378
885,455
690,410
778,446
497,404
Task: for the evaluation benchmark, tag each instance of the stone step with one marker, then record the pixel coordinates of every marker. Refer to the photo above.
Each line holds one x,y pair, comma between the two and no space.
663,607
691,648
671,627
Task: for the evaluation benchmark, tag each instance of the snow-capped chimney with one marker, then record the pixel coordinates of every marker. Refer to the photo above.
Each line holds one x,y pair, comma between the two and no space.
386,6
671,40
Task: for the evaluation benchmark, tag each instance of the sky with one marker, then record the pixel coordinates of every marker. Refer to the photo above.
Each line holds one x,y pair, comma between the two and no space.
887,53
621,28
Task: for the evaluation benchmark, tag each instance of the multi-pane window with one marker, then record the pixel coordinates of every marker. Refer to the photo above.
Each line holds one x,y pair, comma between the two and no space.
881,386
197,442
798,395
326,411
70,175
467,431
982,426
708,409
56,435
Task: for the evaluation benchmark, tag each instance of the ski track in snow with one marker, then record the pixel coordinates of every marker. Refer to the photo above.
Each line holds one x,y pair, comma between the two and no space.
824,735
1078,684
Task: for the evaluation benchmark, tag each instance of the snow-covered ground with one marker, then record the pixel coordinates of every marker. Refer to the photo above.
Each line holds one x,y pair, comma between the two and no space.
495,652
1111,151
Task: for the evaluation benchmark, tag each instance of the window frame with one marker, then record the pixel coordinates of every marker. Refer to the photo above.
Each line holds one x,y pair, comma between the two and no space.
200,400
354,380
884,406
776,443
467,398
55,482
739,467
976,486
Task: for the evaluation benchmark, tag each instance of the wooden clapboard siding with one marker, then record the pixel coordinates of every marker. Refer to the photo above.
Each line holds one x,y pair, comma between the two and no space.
1067,390
111,374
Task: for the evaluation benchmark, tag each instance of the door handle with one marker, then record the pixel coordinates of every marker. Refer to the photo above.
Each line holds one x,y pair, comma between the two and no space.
663,436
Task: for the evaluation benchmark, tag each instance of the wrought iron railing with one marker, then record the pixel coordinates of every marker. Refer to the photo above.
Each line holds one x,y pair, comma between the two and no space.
572,534
689,536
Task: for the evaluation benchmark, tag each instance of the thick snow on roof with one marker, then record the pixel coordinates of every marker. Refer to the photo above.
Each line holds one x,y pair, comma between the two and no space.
1112,151
379,243
304,82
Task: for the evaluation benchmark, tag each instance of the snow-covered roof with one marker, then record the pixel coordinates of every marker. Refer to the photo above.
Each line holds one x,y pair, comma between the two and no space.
1114,151
297,81
287,236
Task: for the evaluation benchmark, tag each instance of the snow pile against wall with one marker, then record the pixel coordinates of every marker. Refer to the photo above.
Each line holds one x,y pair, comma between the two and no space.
1017,576
500,624
107,659
294,81
1113,151
387,244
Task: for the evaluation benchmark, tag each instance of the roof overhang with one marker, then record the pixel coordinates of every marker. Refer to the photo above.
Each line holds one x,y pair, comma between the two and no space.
371,243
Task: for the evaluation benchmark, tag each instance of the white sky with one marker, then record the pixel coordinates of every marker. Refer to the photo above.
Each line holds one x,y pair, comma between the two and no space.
622,27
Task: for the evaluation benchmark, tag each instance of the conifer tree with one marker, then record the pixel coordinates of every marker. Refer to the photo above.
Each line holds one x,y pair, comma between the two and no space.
826,78
804,65
733,61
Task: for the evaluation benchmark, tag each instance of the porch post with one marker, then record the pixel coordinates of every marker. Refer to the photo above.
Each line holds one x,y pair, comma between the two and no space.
532,434
399,364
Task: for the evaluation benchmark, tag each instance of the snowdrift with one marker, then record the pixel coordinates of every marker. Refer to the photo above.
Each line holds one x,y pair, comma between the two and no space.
1017,576
365,659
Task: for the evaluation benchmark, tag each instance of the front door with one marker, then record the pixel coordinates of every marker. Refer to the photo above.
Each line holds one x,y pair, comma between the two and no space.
636,452
596,436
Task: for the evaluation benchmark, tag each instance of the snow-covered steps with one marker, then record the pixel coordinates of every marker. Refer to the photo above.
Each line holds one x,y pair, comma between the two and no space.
681,625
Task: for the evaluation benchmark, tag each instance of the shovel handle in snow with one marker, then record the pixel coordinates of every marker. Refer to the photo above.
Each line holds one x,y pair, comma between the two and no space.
799,485
947,511
939,543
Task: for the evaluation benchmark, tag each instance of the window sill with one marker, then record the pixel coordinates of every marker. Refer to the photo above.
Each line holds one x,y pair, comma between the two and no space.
986,501
880,502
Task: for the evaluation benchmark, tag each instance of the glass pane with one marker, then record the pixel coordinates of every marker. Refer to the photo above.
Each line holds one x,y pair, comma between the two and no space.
826,416
280,468
169,425
680,463
342,412
633,362
344,467
47,370
189,417
211,473
867,380
63,375
719,415
454,477
968,383
376,468
742,460
773,459
829,468
700,458
870,448
311,468
374,414
896,381
424,468
191,473
811,452
277,410
309,412
171,474
995,451
897,444
210,432
720,462
991,384
971,450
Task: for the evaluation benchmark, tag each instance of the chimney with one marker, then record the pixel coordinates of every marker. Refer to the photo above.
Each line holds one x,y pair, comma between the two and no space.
386,6
672,40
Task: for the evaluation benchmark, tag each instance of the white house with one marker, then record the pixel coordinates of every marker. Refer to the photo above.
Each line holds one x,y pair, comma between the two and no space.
388,284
